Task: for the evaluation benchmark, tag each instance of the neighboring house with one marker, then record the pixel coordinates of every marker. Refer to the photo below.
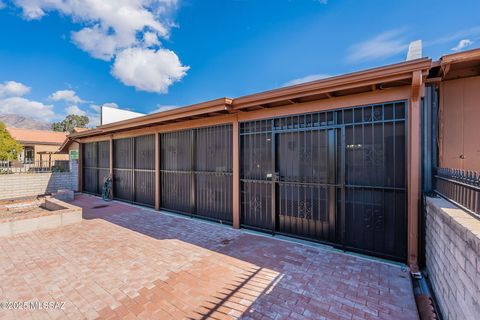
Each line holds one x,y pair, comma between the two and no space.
38,145
70,147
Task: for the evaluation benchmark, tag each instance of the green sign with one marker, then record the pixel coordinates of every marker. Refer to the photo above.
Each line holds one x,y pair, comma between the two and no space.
73,154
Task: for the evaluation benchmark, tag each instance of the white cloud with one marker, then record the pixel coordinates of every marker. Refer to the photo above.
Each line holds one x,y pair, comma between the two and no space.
12,102
148,69
123,18
66,95
462,44
121,27
95,107
2,5
13,89
94,120
471,33
161,108
382,46
312,77
110,105
26,107
96,42
150,39
73,109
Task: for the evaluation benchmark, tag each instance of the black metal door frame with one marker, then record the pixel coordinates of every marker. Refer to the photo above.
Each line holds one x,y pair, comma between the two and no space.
99,169
366,205
137,171
332,184
203,177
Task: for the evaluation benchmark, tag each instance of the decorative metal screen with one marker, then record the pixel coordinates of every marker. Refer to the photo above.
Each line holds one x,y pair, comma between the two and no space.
134,169
96,166
196,172
375,180
335,176
144,170
123,154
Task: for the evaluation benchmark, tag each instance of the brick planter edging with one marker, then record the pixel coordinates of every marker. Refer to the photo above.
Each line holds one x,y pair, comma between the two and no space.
452,249
64,214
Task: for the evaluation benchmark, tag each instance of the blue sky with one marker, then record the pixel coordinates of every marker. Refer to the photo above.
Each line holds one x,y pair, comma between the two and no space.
66,56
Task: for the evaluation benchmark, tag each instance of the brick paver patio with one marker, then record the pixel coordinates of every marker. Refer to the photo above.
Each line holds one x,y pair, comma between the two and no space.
128,262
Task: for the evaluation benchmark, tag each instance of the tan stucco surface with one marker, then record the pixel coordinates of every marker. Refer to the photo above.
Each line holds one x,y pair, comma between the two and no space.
459,126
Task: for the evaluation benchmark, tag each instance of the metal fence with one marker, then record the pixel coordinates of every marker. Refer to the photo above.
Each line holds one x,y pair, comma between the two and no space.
13,167
460,187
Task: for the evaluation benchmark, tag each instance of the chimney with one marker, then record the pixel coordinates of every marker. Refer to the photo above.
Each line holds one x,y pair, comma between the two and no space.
414,50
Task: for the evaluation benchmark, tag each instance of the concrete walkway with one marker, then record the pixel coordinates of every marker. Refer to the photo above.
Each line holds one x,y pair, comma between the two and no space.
128,262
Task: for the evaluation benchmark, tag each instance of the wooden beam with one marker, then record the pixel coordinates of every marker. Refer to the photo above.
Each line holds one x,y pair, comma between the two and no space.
390,73
80,167
158,188
329,95
380,96
187,124
236,174
414,170
445,69
433,80
111,163
374,87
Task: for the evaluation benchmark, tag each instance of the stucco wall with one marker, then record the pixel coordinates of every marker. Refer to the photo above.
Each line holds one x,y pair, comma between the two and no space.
49,148
453,259
32,184
459,118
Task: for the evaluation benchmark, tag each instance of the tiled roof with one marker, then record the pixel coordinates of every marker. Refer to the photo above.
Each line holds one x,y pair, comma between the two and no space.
38,136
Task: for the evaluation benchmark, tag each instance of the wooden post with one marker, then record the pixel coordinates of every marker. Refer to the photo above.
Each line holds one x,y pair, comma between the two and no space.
236,174
158,189
414,170
111,164
80,167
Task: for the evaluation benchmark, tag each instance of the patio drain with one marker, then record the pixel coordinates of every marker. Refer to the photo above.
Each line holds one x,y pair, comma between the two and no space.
226,241
100,206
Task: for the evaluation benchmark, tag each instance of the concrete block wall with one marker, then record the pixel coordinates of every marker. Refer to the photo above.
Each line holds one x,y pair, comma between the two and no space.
452,252
32,184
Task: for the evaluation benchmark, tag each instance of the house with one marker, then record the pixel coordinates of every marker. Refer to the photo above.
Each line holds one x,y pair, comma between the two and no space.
70,147
343,160
39,146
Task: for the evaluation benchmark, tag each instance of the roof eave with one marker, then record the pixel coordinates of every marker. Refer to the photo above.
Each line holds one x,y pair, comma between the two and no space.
392,72
217,105
463,56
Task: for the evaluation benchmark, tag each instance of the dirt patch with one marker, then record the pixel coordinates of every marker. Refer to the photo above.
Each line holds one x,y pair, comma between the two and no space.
17,209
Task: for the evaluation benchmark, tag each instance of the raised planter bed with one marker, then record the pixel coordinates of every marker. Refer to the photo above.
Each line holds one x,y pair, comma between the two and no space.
36,214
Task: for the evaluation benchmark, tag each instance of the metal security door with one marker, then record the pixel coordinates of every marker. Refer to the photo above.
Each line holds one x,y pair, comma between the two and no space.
305,183
96,166
374,217
144,170
335,176
196,172
288,175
